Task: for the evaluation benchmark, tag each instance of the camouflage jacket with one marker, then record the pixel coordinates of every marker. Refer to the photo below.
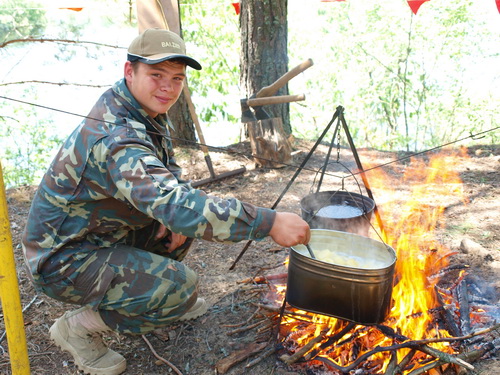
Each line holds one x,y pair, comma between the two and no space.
116,173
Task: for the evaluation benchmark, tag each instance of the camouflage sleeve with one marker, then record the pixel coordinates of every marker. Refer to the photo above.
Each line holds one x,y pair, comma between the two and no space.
143,180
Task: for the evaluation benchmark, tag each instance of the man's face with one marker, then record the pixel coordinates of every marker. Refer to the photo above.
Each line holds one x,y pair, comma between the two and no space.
156,87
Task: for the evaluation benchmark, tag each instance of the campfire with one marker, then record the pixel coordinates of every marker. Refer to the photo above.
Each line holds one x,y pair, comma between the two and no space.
438,322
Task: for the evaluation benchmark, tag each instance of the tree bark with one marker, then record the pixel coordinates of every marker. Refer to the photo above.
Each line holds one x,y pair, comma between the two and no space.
264,53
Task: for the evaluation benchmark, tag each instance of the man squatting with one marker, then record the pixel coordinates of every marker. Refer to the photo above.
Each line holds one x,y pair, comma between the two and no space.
112,218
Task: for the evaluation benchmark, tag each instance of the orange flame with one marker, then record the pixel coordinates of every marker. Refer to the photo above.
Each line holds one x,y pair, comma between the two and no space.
410,214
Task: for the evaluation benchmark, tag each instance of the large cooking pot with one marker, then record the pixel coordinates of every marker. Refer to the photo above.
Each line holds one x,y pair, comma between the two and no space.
353,281
338,210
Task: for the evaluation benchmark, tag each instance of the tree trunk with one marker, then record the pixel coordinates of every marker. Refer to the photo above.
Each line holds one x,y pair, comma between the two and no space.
165,15
270,145
264,54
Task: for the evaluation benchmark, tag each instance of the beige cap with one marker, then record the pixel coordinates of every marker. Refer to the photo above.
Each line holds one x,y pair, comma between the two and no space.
154,46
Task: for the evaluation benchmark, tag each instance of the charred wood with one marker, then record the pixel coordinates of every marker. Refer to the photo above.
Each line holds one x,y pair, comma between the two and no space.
389,332
331,340
421,345
464,310
401,366
392,363
444,271
289,359
447,316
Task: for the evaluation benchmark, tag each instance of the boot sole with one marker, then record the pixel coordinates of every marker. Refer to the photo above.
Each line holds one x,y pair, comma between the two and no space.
65,346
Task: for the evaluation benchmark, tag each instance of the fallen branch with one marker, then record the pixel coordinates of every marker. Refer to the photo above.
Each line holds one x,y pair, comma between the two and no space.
247,328
243,323
234,358
175,369
266,353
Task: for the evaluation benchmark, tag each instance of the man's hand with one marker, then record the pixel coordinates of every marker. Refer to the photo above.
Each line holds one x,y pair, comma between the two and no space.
290,229
174,239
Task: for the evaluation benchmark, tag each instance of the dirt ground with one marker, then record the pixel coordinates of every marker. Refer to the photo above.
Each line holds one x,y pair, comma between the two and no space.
471,230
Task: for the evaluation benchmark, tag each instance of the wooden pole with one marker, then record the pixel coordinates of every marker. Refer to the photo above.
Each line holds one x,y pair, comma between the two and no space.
9,293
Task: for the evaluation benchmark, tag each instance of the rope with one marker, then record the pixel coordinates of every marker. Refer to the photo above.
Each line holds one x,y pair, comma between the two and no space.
223,149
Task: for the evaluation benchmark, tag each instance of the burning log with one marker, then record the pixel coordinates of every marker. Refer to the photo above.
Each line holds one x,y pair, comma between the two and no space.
446,270
447,316
404,362
302,351
463,303
332,340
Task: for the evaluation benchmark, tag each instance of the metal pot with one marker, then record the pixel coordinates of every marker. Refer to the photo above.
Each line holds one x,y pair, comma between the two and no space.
357,222
359,290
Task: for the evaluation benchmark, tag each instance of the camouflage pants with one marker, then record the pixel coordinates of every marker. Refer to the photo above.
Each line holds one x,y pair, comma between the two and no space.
135,287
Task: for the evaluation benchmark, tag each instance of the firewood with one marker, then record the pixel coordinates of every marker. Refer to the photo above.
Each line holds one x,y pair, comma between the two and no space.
463,304
225,364
246,328
332,340
266,353
448,318
289,359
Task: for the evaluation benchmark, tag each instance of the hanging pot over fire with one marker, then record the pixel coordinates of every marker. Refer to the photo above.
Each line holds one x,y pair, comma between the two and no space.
338,210
351,277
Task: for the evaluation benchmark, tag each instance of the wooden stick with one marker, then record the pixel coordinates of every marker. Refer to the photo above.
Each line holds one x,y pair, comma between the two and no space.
266,353
234,358
287,312
392,363
246,328
289,359
332,340
444,357
263,279
401,365
175,369
242,323
470,357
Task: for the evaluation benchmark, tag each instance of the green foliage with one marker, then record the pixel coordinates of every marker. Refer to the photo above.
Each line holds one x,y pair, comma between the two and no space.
26,146
21,18
407,82
211,33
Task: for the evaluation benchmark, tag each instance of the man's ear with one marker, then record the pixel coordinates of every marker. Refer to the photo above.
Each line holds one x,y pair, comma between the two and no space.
128,70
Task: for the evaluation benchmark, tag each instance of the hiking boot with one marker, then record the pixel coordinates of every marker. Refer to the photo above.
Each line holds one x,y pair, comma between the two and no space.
199,308
87,348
